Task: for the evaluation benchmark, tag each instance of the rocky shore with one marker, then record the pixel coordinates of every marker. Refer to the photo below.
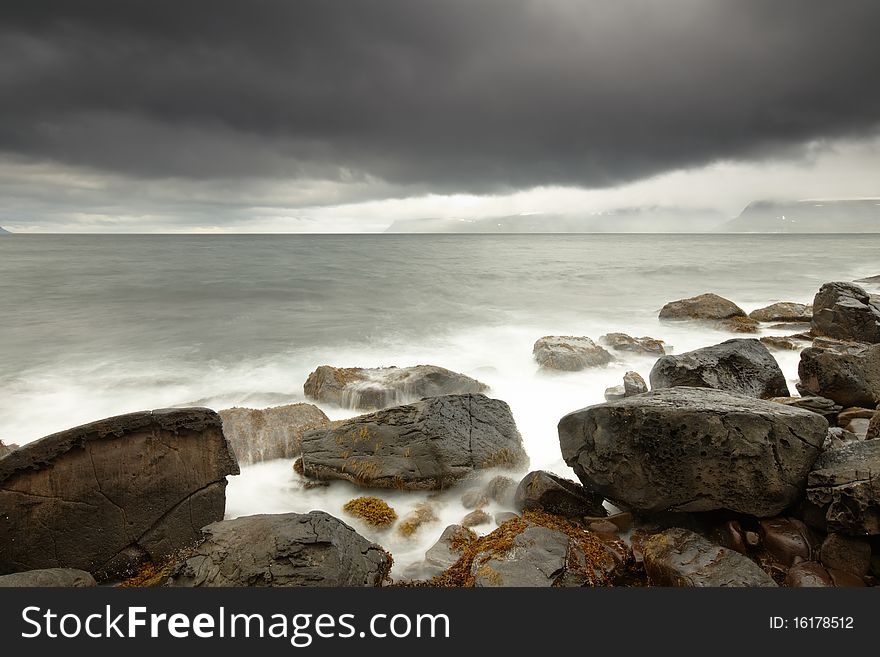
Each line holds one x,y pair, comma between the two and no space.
715,476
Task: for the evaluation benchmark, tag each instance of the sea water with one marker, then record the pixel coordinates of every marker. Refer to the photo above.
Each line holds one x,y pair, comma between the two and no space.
94,326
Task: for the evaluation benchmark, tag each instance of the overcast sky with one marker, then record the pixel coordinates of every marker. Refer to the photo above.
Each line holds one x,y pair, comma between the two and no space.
324,115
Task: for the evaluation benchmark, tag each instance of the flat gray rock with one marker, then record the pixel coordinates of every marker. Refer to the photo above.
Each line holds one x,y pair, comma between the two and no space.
49,577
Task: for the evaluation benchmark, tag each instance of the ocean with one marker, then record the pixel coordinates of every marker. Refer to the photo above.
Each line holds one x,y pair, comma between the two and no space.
94,326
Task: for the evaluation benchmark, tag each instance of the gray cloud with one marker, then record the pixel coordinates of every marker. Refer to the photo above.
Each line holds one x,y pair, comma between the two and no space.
447,96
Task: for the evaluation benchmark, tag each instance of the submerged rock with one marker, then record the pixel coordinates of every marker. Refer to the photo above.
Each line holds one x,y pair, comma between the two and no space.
705,307
380,387
421,515
108,495
679,557
545,491
258,435
844,485
476,518
693,449
427,445
569,353
847,374
784,311
49,577
846,312
290,549
623,342
781,342
741,365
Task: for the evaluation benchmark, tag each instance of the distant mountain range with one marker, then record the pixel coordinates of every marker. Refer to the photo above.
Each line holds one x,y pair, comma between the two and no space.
811,216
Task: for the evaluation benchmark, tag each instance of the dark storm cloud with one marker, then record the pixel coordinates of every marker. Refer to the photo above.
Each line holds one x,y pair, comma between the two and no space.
453,95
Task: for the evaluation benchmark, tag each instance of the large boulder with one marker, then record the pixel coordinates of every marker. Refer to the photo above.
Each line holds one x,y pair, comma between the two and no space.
846,312
644,346
849,374
289,549
705,307
258,435
380,387
108,495
49,577
844,485
741,365
679,557
544,491
693,449
427,445
784,311
569,353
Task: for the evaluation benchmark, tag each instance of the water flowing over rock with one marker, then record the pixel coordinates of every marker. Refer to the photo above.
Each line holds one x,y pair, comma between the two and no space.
679,557
844,485
849,374
846,312
784,311
380,387
258,435
49,577
427,445
623,342
106,496
742,365
693,449
569,353
705,307
290,549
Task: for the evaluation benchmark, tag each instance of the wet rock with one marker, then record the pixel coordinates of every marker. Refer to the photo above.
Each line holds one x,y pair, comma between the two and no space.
679,557
604,527
825,407
290,549
753,539
739,325
705,307
741,365
49,577
784,311
449,547
381,387
847,374
844,485
503,516
421,515
847,554
780,343
846,312
258,435
475,498
634,384
107,496
501,489
813,575
731,535
643,346
693,449
787,540
476,518
545,491
569,353
427,445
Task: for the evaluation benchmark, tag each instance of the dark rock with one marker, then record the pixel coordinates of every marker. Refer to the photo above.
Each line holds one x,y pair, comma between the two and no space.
449,547
476,518
780,343
623,342
787,540
704,307
679,557
545,491
258,435
475,498
731,535
873,432
837,437
849,375
846,312
693,449
49,577
784,311
108,495
854,413
290,549
569,353
501,489
427,445
844,579
845,486
634,384
808,574
827,408
739,325
380,387
845,553
741,365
